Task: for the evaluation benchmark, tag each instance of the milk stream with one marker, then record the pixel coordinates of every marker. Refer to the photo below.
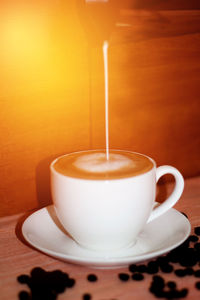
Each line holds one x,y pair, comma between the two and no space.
105,59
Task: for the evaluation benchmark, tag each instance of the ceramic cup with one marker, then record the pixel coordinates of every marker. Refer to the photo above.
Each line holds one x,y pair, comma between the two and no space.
108,214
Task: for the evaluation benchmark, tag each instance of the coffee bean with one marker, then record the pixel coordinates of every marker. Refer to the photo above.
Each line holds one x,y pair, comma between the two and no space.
133,268
171,284
142,269
158,283
173,256
38,273
166,268
180,272
197,246
123,276
158,280
183,293
162,260
70,282
189,271
60,280
157,286
137,276
183,245
87,296
197,285
193,238
92,277
23,295
23,278
188,257
197,230
156,292
57,280
152,267
197,253
197,273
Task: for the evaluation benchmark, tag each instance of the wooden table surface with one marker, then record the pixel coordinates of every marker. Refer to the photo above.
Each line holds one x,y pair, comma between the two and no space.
17,258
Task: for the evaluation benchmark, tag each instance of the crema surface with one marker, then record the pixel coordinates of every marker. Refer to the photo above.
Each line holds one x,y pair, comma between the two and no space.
94,165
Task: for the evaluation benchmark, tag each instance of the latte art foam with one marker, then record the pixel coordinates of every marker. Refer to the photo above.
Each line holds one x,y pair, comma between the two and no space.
97,162
93,164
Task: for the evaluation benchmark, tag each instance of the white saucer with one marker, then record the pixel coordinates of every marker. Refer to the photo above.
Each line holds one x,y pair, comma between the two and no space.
43,230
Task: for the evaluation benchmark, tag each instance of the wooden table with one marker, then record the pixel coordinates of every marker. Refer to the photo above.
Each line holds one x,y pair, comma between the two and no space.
18,258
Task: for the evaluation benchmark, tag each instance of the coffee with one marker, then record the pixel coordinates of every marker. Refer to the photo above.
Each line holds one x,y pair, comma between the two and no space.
93,164
105,203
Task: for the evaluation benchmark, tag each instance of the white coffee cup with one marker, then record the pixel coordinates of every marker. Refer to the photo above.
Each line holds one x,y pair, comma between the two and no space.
108,214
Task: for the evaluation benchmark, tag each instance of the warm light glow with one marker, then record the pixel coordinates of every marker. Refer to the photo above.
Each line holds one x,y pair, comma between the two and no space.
42,50
52,66
44,47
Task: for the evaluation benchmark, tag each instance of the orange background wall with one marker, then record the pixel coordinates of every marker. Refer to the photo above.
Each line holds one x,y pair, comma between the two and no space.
52,97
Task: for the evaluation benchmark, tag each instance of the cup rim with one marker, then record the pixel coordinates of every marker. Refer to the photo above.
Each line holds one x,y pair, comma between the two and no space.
52,169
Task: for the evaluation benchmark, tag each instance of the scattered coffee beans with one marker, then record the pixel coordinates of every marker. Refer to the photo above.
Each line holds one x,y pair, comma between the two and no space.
158,288
45,285
187,255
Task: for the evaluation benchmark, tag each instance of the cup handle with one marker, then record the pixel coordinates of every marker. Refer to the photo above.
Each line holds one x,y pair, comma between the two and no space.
175,195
